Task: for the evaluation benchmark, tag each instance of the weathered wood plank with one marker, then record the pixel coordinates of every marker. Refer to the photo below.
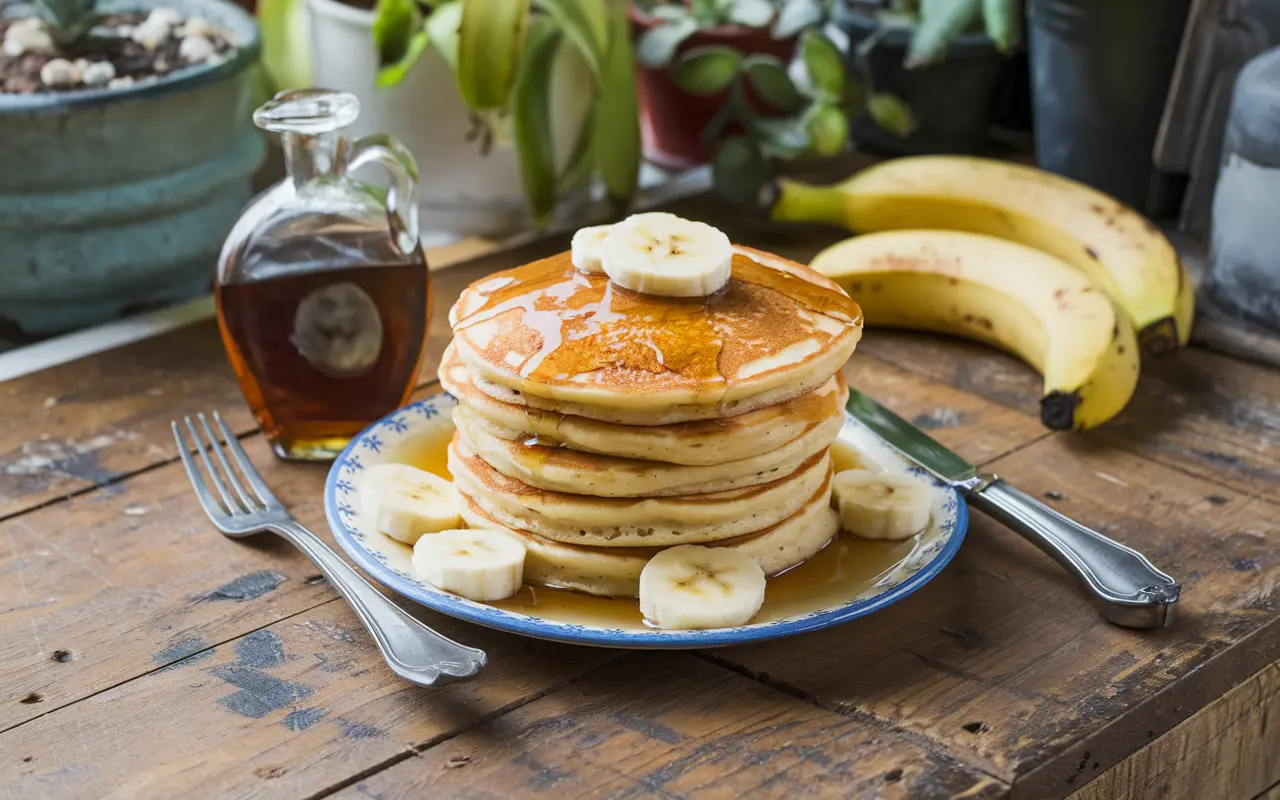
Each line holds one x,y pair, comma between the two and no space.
1001,659
86,423
1196,411
673,726
117,580
90,422
973,427
1230,748
286,711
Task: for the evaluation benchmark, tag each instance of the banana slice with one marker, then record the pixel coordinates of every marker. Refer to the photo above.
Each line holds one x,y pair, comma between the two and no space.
877,505
478,564
405,502
587,248
689,587
662,254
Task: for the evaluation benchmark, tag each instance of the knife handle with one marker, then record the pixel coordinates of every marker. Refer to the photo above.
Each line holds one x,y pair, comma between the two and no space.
1130,590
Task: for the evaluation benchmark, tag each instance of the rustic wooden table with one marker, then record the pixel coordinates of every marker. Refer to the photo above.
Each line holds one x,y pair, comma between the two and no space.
143,655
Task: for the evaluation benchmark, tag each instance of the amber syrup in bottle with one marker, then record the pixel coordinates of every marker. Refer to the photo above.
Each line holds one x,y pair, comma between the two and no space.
321,355
323,295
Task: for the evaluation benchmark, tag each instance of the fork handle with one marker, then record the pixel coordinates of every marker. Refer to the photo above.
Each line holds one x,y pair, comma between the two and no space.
412,650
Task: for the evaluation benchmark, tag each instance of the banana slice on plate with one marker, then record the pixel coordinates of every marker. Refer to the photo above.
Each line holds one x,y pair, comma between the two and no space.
877,505
479,564
692,587
662,254
587,248
405,502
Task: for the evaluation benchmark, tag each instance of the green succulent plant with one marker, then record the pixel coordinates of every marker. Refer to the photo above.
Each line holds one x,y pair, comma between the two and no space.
809,102
68,21
935,24
502,53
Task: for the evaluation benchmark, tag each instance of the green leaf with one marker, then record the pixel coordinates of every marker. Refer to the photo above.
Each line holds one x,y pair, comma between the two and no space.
706,70
768,77
286,43
67,20
391,74
829,130
581,159
824,64
738,170
752,13
491,40
891,113
443,27
395,22
584,23
617,122
658,45
787,137
941,21
1004,23
531,118
795,16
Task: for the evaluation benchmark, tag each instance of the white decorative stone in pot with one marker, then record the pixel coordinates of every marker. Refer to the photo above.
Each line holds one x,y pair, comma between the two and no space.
461,190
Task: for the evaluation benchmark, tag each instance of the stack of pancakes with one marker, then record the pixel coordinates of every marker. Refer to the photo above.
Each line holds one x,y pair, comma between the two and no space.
603,425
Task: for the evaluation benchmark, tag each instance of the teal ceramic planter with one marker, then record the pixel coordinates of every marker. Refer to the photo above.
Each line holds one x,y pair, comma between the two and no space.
113,200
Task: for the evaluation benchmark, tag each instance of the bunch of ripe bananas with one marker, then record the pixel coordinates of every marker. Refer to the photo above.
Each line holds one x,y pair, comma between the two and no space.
1065,277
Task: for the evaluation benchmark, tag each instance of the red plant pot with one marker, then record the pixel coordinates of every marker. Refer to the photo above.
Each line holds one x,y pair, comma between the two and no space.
671,119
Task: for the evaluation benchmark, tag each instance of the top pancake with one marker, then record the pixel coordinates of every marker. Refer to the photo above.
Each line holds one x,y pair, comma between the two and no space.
548,331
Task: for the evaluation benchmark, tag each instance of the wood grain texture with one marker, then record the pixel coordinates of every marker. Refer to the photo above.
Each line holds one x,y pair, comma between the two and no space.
1001,659
285,711
87,423
122,581
1229,749
667,725
91,422
1196,411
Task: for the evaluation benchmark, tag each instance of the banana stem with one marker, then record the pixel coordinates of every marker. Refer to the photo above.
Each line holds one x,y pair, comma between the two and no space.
804,202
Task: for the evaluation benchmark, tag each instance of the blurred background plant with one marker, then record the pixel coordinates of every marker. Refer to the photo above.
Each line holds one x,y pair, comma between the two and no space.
936,24
772,108
67,21
502,54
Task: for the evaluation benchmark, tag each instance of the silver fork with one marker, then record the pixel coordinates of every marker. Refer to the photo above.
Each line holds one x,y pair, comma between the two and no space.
412,650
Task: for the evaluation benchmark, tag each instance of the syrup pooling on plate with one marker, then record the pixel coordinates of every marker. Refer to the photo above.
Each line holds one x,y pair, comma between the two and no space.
846,570
564,324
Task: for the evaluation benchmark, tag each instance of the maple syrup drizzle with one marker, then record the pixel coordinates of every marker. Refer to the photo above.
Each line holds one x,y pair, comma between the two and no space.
845,570
572,323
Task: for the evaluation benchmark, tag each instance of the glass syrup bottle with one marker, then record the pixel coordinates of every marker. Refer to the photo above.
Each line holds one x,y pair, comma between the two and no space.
323,295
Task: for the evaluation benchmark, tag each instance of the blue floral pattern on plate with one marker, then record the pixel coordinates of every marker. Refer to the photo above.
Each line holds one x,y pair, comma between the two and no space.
380,441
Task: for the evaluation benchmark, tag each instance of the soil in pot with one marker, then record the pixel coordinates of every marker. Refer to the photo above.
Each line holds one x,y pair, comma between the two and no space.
122,49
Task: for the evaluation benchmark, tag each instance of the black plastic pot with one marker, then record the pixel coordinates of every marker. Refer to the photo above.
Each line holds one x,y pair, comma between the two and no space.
951,101
1100,73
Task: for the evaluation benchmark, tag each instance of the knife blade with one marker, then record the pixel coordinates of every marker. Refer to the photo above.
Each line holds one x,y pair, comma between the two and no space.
1129,590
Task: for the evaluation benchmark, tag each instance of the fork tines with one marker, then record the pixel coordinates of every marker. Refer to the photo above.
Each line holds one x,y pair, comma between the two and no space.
237,501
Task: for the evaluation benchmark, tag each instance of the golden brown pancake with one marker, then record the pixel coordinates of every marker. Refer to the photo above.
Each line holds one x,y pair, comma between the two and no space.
635,522
703,442
615,571
551,337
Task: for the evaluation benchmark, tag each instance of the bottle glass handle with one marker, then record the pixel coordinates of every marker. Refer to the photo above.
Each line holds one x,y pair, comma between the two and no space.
402,196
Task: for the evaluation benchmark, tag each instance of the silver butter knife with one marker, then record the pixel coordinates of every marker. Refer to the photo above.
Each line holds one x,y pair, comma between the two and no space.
1128,588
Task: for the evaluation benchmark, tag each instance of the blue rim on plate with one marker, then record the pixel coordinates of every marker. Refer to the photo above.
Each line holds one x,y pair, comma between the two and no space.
934,551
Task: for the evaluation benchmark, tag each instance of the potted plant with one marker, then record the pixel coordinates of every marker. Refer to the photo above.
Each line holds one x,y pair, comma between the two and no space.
502,102
744,84
944,59
128,154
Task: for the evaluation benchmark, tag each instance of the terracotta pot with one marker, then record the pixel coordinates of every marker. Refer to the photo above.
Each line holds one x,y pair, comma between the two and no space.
671,119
